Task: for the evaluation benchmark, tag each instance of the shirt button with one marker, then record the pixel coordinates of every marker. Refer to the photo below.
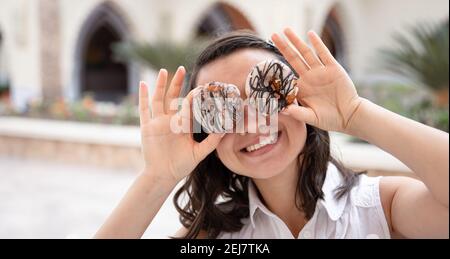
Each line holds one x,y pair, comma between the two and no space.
307,234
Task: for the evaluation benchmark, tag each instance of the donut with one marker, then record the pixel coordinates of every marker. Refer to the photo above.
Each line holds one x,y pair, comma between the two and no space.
269,81
217,107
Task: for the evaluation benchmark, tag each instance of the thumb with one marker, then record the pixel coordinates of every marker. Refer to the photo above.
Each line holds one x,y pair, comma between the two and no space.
301,113
203,149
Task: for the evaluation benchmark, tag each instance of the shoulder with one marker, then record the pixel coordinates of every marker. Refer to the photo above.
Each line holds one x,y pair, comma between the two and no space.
389,187
371,190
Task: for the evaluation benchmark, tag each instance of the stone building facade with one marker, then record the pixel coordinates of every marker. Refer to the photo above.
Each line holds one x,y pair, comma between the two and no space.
51,48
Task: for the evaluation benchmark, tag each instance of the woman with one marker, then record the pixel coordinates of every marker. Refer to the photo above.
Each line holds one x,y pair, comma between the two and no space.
292,188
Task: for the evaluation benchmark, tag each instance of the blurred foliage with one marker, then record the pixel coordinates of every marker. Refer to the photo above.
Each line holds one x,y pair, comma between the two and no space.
127,113
410,101
421,55
162,54
84,110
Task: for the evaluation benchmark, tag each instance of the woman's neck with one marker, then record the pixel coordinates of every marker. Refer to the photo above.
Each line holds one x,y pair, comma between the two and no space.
279,195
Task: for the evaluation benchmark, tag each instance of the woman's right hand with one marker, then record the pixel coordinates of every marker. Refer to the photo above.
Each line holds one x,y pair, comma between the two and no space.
168,155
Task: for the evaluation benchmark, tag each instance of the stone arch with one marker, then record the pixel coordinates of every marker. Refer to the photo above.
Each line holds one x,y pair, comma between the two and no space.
221,18
96,70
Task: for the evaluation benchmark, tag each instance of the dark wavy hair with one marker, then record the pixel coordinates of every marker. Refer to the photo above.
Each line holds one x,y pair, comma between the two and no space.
217,198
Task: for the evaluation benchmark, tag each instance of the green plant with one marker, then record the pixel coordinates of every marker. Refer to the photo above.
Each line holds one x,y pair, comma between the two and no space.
410,101
83,110
421,55
161,54
127,113
426,113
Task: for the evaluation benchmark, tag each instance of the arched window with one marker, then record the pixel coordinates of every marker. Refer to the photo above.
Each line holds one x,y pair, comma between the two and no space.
222,18
99,73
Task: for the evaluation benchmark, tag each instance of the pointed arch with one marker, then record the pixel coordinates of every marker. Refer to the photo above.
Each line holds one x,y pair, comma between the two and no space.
222,18
96,70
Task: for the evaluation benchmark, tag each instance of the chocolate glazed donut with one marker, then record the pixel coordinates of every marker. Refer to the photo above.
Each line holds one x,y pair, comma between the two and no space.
269,81
217,107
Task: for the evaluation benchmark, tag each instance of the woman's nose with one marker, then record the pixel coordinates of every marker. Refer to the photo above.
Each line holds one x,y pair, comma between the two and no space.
256,123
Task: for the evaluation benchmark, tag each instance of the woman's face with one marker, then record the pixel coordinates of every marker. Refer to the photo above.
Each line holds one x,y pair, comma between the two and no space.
234,150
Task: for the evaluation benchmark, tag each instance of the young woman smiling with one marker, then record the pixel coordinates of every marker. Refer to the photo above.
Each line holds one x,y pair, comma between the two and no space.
292,188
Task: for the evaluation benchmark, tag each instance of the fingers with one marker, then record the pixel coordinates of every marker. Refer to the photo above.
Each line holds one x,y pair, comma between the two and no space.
290,54
144,112
321,49
301,113
158,96
174,89
203,149
185,112
307,53
302,58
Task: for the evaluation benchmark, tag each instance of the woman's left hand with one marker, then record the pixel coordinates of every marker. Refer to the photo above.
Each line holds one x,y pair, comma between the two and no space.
327,95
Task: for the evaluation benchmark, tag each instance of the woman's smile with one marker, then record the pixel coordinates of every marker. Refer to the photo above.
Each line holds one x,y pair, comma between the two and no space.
262,145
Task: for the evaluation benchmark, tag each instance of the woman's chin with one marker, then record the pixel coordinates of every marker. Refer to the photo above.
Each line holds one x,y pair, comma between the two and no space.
264,170
267,161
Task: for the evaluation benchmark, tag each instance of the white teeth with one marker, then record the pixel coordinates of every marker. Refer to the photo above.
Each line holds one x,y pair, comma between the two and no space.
272,139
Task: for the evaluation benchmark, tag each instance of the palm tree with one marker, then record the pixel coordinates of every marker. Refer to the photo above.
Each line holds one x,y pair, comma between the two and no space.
161,54
422,56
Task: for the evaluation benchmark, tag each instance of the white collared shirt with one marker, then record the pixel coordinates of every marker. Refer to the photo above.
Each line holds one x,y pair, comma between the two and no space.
359,214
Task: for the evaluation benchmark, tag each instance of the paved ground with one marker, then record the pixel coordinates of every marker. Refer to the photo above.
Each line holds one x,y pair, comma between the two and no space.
50,200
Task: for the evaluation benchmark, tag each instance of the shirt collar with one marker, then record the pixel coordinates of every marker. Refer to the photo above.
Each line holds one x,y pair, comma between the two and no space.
335,208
